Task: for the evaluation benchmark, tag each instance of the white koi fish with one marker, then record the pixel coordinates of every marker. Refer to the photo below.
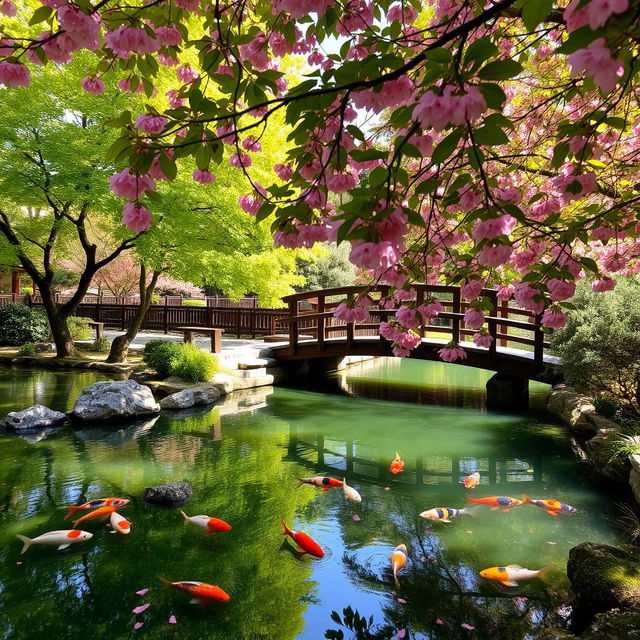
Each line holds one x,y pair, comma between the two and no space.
510,575
444,514
350,493
119,524
62,539
208,523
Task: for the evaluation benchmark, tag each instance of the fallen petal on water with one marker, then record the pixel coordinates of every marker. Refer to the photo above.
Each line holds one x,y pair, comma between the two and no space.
402,601
172,620
137,625
401,633
142,592
468,531
356,517
439,621
550,542
393,593
141,608
387,488
468,627
18,562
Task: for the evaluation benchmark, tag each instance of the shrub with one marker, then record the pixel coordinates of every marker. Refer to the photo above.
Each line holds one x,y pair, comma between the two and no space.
194,303
161,355
20,324
194,365
28,349
605,406
101,345
600,344
79,327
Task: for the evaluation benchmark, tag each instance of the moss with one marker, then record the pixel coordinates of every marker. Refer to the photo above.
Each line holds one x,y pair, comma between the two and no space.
614,625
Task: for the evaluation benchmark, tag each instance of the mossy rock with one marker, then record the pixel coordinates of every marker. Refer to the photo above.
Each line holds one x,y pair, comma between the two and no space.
614,625
603,578
554,634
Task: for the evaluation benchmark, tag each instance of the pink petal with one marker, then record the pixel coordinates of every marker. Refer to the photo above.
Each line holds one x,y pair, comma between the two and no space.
423,559
356,517
18,562
393,593
402,601
550,542
387,488
468,627
137,625
439,621
140,609
468,531
142,592
172,620
401,634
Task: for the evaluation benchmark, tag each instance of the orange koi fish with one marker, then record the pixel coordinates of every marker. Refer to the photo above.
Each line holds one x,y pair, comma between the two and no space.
398,561
305,542
397,465
471,481
322,482
212,525
100,514
201,593
511,574
498,501
552,507
95,504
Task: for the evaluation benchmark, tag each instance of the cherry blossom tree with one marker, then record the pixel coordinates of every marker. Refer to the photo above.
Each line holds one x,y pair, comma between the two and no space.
478,143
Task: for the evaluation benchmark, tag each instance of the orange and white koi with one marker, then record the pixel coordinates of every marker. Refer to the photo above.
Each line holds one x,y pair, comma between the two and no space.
304,541
61,539
322,482
397,465
398,561
98,514
350,493
119,524
471,481
212,525
498,501
511,575
552,507
95,504
201,593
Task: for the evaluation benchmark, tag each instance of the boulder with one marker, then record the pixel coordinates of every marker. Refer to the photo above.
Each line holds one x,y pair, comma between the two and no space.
614,625
598,450
168,495
191,397
114,399
602,578
572,408
224,382
34,418
143,375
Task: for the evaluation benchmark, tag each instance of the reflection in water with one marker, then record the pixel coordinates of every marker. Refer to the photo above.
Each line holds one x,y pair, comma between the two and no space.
242,458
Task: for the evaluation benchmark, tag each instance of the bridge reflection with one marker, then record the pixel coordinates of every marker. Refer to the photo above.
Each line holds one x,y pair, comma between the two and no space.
324,456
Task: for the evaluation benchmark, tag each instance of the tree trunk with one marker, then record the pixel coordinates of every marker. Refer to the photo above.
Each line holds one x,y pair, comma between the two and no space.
120,344
59,329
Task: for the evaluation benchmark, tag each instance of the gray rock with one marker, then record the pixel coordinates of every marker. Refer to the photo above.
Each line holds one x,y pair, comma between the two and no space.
162,388
117,436
142,376
572,407
191,397
224,382
168,495
114,399
34,418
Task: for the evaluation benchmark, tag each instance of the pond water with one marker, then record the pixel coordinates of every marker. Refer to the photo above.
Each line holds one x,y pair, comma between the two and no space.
243,467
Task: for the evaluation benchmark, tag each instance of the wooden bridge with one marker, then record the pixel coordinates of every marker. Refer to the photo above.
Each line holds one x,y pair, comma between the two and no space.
518,347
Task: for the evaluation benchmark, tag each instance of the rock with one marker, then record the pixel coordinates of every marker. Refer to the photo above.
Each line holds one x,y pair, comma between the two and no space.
634,482
614,625
116,437
162,388
572,407
34,418
168,495
598,450
257,363
191,396
602,578
224,382
142,376
601,423
114,399
554,634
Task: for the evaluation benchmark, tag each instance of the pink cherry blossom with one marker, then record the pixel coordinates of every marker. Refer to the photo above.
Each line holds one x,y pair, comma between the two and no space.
356,517
249,204
554,319
14,75
129,186
174,100
505,292
136,218
494,256
596,61
524,296
301,8
187,5
595,13
482,339
172,620
203,177
125,85
141,609
408,317
401,633
251,144
351,313
238,160
8,8
370,255
473,318
186,74
151,124
471,289
169,36
451,354
437,111
255,52
605,284
560,289
93,84
403,13
127,40
430,310
493,228
284,171
341,182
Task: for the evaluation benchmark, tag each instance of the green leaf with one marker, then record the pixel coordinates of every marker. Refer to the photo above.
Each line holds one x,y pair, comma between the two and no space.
446,147
203,157
480,50
535,11
428,186
439,54
168,166
355,132
265,210
493,94
560,152
616,122
117,148
377,176
40,15
121,121
579,39
490,135
368,154
500,70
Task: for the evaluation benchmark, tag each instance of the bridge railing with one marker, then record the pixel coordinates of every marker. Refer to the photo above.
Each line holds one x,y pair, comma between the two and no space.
311,317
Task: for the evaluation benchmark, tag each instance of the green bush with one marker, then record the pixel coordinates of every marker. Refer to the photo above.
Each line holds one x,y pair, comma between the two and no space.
194,303
28,349
605,406
161,355
20,324
194,365
101,345
79,327
600,344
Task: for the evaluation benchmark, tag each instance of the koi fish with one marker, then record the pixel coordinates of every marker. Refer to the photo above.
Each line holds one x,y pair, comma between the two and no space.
119,524
552,507
305,542
350,493
95,504
62,539
201,593
322,482
471,481
397,465
212,525
497,502
100,514
398,561
443,514
510,575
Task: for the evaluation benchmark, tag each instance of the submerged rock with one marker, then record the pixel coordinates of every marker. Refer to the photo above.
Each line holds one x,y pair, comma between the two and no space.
602,578
614,625
114,399
168,495
34,418
191,396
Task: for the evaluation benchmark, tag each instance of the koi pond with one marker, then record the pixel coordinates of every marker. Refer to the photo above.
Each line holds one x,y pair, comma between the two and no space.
243,458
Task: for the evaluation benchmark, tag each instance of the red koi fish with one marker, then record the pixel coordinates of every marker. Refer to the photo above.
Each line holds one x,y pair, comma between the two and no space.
95,504
552,507
305,542
201,593
497,501
471,481
100,514
397,465
322,482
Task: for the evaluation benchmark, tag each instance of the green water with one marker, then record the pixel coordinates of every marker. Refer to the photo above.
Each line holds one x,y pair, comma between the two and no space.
243,468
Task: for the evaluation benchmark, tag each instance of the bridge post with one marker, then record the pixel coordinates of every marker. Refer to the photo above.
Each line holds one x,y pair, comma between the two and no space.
507,392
